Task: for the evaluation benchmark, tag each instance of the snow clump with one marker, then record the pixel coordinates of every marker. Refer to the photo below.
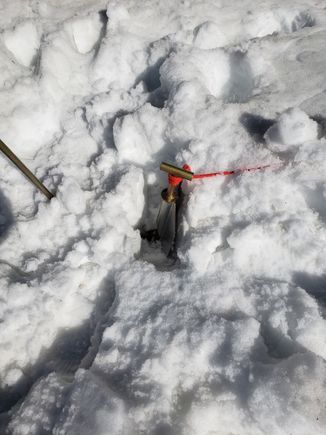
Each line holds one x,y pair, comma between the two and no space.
293,127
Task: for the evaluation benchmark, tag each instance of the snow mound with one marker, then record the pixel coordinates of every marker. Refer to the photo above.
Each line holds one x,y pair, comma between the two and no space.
139,136
86,32
277,20
23,41
209,68
208,35
110,415
38,413
293,127
52,395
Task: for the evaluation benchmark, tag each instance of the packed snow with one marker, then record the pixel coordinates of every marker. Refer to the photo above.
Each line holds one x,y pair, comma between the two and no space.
100,332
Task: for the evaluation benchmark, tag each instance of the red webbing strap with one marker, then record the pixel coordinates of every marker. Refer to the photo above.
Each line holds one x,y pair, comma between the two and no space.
175,181
235,171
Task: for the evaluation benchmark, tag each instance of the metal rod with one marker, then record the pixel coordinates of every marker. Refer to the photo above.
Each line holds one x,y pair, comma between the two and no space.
178,172
170,194
20,165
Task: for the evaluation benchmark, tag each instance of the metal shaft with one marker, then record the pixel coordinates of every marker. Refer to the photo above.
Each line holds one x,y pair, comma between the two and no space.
178,172
20,165
170,194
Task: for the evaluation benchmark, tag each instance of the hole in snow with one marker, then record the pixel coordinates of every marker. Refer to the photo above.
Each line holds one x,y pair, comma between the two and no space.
157,98
278,345
241,83
314,285
151,76
300,21
321,121
316,200
6,217
256,125
103,17
152,80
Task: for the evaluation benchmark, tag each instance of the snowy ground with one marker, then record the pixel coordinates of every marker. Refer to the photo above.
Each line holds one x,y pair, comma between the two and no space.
99,332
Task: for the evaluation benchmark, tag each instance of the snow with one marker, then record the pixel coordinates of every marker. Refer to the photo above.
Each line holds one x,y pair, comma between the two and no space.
293,127
23,42
99,331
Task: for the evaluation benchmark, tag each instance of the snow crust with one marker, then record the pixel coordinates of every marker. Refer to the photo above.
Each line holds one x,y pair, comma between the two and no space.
99,332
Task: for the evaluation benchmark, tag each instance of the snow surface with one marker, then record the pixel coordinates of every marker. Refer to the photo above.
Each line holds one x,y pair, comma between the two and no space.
99,332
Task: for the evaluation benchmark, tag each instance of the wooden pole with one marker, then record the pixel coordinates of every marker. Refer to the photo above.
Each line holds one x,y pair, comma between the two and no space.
20,165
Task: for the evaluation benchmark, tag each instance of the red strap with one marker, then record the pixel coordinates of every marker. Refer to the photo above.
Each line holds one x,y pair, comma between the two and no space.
235,171
175,181
213,174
